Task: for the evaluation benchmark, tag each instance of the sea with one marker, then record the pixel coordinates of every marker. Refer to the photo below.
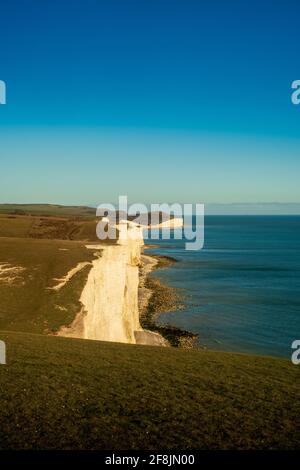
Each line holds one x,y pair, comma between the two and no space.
241,291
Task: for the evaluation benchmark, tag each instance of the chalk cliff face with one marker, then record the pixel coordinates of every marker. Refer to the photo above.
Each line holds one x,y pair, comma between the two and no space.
177,222
110,307
110,296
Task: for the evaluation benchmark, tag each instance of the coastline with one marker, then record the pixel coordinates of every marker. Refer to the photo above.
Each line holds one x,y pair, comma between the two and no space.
156,298
110,307
121,301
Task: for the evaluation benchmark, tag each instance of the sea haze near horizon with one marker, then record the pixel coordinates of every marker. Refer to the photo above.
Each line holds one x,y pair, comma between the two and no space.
242,290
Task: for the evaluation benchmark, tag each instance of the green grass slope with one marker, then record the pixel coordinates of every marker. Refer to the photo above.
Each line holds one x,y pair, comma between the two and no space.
26,301
39,250
59,393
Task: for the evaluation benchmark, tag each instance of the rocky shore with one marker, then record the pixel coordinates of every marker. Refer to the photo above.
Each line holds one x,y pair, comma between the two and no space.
156,297
121,300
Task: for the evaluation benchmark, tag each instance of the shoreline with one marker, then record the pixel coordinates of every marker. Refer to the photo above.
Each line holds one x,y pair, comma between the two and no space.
156,297
110,298
121,301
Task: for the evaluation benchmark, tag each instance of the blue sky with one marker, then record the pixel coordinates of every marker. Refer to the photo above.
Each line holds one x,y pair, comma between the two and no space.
160,100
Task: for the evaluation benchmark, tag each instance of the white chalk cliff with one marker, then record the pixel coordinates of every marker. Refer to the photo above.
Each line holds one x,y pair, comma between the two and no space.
110,310
109,297
176,222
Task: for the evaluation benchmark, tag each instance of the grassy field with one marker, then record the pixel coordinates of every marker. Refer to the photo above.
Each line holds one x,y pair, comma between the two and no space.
34,252
26,302
59,393
47,210
51,228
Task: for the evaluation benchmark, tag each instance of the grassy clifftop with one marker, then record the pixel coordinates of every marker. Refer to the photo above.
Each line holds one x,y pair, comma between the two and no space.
51,228
47,210
60,393
77,394
29,269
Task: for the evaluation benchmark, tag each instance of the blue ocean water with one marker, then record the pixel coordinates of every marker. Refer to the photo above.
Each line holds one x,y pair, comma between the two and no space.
242,290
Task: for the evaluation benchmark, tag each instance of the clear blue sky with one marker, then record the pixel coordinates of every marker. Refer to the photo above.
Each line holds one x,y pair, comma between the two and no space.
160,100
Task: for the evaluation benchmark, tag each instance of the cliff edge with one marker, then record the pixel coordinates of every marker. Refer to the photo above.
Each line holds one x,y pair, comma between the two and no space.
110,301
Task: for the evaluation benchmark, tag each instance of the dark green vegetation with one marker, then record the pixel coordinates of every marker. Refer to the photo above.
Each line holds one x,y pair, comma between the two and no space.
56,210
47,210
59,393
60,228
